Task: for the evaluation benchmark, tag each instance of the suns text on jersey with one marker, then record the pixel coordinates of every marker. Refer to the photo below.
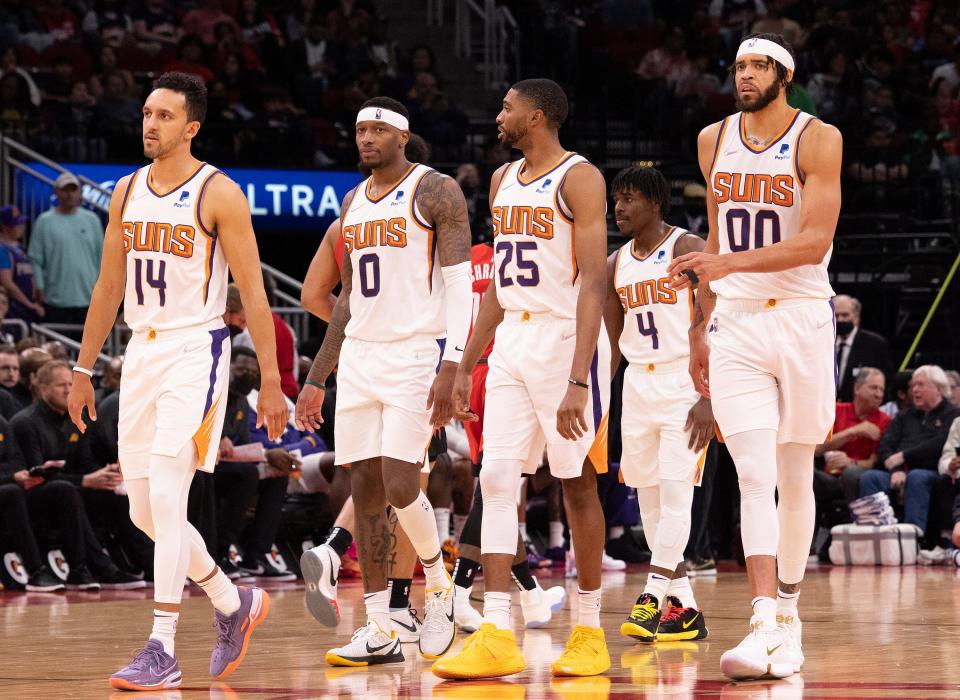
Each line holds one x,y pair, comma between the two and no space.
758,188
523,221
159,237
646,292
375,233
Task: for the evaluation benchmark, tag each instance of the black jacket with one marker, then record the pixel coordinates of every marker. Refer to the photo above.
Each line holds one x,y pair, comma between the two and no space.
868,350
920,436
43,434
11,460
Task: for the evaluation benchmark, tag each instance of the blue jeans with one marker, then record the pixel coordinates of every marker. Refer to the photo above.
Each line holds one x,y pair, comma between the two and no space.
916,495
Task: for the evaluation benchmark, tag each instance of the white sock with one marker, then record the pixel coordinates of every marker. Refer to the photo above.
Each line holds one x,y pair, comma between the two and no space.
657,585
458,522
378,609
165,628
436,574
680,587
442,516
418,521
496,609
588,608
787,603
615,532
556,534
222,592
766,609
523,532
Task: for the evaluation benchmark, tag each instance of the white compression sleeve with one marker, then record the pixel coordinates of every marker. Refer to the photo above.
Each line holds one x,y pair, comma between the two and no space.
459,291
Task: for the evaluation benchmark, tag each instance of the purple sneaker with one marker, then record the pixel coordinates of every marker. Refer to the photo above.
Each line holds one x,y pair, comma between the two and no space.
151,669
233,631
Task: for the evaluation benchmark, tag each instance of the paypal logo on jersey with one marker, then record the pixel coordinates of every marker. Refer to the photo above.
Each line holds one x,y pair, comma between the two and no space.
183,202
784,152
661,258
543,188
398,199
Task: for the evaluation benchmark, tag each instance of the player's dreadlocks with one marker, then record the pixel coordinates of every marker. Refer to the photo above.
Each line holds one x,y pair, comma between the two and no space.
649,182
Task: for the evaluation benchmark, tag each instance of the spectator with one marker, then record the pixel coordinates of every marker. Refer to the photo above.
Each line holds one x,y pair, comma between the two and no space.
26,390
65,245
856,347
668,62
235,316
155,26
833,90
468,177
910,449
203,20
878,161
17,114
286,342
107,24
693,215
949,72
57,20
110,381
9,66
108,65
949,465
776,23
58,84
953,376
261,31
56,350
46,436
9,375
118,115
901,399
190,59
281,131
312,61
6,338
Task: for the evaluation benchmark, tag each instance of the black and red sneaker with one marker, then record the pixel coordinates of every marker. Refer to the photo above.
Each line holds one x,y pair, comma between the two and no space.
681,624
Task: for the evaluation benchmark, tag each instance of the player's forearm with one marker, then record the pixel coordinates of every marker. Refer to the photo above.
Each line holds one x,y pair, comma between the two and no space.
101,315
589,315
320,303
329,353
706,302
785,255
489,316
263,334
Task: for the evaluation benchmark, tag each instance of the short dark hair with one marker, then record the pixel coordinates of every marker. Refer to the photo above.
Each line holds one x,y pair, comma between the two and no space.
780,68
241,351
387,103
9,350
416,151
546,96
46,370
649,182
193,89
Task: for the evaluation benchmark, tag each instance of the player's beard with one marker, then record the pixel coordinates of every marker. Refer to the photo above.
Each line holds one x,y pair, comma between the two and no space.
765,98
512,138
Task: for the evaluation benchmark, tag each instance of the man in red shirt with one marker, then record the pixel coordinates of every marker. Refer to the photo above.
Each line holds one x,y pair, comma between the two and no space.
857,429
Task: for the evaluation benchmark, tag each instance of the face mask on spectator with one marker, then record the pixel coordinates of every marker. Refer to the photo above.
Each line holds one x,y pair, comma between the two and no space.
844,328
243,384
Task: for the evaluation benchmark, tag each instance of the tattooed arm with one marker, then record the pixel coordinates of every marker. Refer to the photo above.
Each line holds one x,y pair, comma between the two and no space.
310,402
441,202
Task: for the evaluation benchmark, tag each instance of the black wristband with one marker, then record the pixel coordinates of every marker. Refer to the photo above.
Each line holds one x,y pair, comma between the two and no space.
316,384
583,385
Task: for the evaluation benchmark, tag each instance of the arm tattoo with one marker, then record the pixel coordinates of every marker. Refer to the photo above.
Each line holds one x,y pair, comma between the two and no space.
329,353
698,317
441,200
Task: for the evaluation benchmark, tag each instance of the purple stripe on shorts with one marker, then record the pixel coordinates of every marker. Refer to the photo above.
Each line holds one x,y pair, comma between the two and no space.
442,342
836,367
216,350
595,391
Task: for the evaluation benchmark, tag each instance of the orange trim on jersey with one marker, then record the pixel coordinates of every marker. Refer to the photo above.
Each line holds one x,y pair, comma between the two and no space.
598,450
652,250
716,148
557,204
431,236
701,460
797,175
211,238
413,203
204,433
573,253
616,266
168,192
366,189
773,142
563,159
716,431
502,178
126,195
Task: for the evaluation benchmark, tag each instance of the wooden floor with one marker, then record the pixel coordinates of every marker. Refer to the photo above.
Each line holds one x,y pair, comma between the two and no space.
868,633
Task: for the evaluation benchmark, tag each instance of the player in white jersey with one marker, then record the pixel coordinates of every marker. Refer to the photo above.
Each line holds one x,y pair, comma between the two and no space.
548,382
773,199
406,283
666,425
174,227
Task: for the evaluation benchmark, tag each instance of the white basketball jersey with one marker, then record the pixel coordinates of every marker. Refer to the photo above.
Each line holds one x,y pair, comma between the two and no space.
657,316
759,192
397,286
534,260
176,272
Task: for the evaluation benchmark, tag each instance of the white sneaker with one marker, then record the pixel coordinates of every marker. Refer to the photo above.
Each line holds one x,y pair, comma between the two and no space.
539,605
793,629
465,615
931,557
439,630
611,564
320,567
406,624
764,653
369,645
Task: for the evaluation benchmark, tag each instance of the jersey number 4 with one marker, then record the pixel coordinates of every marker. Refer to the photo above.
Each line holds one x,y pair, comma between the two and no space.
739,225
158,282
649,328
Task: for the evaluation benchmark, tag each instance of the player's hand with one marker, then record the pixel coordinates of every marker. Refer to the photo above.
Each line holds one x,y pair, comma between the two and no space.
308,413
700,424
440,398
706,266
571,421
462,388
272,409
81,396
700,366
897,480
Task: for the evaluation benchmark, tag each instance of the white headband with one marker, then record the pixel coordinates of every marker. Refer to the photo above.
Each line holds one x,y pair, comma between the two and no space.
382,114
765,47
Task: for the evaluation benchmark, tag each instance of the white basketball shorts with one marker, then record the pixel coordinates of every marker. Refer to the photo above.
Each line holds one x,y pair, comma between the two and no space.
528,377
772,366
656,401
174,389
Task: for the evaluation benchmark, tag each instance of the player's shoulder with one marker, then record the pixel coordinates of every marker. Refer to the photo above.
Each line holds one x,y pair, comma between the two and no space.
687,242
709,134
819,132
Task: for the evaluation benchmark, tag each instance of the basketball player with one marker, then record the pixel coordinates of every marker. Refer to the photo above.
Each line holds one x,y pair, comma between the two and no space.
548,380
396,301
175,225
666,426
773,200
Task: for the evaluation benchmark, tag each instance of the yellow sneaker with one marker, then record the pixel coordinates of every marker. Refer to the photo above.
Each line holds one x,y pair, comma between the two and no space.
488,653
586,654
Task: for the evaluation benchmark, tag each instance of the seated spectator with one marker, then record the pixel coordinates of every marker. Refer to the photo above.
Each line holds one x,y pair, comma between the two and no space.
312,60
668,62
909,451
108,65
110,381
9,378
47,437
118,115
16,269
949,72
190,59
26,391
5,337
878,161
285,337
900,394
155,26
953,376
56,350
107,24
203,20
9,65
57,85
18,116
776,23
856,347
949,465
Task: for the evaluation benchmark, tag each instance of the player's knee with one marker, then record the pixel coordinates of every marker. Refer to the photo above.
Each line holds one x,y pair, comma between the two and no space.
141,516
579,493
498,480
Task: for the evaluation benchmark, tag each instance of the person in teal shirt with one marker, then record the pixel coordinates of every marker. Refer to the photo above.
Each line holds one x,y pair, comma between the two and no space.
66,245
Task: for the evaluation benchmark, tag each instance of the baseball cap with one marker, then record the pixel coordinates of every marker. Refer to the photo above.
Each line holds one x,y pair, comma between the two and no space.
66,179
11,216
